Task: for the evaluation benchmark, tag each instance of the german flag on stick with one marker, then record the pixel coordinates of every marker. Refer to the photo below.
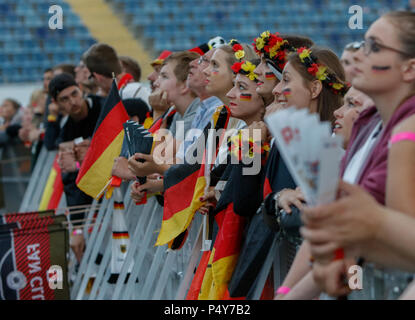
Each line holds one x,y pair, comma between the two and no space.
185,184
54,188
105,146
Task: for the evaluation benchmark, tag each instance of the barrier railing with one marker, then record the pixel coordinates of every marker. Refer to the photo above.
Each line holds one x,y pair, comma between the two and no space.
156,272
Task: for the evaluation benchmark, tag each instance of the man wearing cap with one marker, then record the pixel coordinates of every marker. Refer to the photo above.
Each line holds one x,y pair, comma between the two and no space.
82,115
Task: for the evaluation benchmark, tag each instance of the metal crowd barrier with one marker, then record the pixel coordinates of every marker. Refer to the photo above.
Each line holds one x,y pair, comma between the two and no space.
161,273
37,182
14,175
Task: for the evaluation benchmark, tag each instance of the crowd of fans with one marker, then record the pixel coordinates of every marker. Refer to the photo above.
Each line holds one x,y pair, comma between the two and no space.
368,95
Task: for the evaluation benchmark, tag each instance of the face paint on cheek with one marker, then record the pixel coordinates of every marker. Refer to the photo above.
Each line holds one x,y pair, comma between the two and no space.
270,76
215,73
287,92
245,97
380,68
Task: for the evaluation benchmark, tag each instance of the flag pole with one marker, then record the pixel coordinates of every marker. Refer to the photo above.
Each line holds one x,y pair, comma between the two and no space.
115,79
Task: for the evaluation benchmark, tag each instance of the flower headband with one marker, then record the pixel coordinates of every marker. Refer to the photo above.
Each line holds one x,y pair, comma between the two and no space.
273,47
320,72
243,67
238,49
246,68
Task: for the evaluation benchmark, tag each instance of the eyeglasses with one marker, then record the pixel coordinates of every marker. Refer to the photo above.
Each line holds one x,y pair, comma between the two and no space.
370,45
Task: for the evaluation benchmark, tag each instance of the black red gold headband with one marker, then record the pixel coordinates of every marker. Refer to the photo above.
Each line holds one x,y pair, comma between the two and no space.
319,71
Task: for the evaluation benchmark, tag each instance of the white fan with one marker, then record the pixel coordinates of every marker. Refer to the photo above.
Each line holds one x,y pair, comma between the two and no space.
310,152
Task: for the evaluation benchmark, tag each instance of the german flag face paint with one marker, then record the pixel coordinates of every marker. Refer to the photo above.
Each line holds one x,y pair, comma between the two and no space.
380,68
245,97
286,92
270,76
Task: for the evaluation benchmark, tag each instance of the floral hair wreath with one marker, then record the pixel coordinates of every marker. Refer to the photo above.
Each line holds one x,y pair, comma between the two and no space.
273,47
243,67
238,49
320,72
246,68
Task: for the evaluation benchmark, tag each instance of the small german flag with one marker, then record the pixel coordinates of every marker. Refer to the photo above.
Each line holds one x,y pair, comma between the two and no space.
184,185
105,146
168,116
120,235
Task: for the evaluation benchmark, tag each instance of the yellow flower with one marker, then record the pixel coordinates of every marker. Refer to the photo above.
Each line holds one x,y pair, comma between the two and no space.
321,73
248,66
239,54
265,34
304,54
273,51
337,86
260,43
252,76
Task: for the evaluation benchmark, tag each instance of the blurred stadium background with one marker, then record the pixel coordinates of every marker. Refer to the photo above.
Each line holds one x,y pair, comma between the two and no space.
142,29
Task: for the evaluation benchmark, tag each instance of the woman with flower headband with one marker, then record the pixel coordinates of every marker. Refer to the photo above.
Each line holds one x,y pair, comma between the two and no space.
246,105
219,82
385,71
306,90
273,50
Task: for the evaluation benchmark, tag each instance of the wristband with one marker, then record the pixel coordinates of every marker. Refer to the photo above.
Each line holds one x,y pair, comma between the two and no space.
76,232
282,290
78,166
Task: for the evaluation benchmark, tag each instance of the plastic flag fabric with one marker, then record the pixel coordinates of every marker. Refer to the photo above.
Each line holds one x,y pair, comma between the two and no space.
120,238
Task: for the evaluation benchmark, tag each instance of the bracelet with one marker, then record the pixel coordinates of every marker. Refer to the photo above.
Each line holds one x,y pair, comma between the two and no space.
78,166
282,290
77,232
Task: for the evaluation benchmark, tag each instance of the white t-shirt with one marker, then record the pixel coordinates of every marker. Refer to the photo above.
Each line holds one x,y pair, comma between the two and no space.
352,172
135,90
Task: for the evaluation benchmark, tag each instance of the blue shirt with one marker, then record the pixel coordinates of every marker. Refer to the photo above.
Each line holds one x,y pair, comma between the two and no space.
202,117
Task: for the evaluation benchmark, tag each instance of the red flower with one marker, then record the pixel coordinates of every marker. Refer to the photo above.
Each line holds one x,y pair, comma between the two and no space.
236,47
237,66
272,40
299,50
313,69
280,55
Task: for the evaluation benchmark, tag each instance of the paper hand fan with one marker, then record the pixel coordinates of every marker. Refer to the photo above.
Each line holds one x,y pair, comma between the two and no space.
310,152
